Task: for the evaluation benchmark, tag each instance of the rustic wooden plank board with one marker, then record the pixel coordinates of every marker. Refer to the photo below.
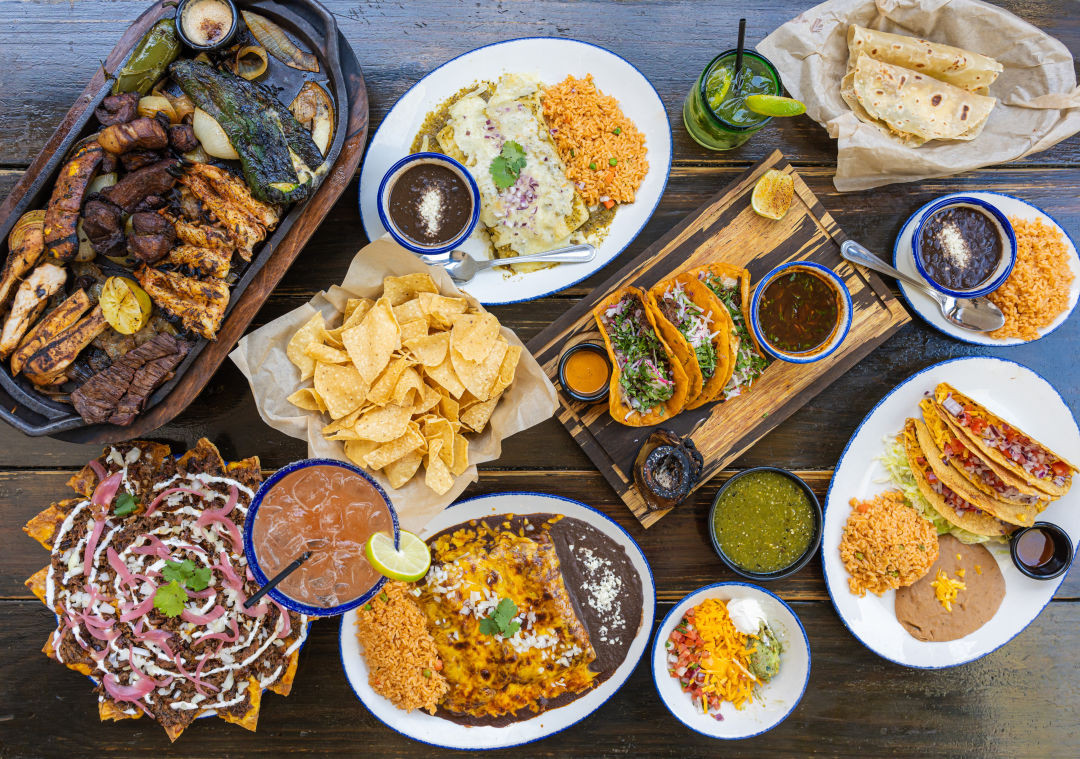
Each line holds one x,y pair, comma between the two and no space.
725,229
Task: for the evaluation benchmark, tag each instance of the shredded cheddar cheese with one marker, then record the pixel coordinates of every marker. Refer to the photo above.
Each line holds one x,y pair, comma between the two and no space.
946,589
727,673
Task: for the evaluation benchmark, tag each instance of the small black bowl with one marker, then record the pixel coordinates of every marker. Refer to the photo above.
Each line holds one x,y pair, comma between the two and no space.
1057,565
795,566
600,394
223,42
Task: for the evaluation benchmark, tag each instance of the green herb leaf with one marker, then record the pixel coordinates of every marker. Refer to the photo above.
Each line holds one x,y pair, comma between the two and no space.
170,599
125,504
507,166
185,573
501,622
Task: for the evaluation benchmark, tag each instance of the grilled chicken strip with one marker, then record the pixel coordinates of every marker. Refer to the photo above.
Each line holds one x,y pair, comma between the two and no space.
62,214
200,306
30,300
246,220
205,262
50,327
19,261
51,361
202,236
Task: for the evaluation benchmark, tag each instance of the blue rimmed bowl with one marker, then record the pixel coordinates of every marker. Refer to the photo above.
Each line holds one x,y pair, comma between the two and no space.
843,320
386,186
1008,245
249,546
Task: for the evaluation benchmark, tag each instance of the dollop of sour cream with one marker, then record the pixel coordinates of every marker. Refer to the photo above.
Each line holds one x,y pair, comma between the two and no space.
746,614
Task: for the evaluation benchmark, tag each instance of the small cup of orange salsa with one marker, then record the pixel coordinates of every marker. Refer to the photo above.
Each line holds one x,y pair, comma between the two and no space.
585,372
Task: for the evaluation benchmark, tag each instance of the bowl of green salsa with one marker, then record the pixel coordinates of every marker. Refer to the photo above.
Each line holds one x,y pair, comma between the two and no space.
765,523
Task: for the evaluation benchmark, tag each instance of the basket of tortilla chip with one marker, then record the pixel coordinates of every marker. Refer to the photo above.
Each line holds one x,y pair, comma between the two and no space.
400,373
148,579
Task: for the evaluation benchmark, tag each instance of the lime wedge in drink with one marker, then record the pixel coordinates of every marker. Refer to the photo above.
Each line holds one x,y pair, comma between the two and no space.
717,86
774,105
407,564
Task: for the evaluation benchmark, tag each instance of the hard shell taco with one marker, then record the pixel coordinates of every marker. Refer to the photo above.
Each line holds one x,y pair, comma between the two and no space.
1009,447
1010,496
648,384
935,456
947,502
731,285
698,328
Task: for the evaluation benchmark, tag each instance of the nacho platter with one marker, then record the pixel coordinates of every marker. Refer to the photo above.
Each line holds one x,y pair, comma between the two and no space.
724,230
37,413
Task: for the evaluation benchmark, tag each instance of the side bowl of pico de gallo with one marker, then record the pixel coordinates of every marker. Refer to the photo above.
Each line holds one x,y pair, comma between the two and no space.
731,661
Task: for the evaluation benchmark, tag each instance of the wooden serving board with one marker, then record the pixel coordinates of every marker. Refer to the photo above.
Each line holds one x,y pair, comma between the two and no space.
724,229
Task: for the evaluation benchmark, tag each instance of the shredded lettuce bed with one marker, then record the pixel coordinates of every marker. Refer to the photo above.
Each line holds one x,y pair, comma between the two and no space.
894,459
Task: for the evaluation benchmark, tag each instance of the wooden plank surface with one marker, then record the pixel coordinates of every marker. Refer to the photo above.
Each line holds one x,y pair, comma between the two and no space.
1018,702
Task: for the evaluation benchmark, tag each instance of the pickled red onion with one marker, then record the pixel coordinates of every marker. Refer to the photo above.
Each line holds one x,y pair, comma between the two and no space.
166,493
202,619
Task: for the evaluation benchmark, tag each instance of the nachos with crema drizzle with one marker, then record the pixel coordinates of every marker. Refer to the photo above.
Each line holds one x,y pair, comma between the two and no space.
148,578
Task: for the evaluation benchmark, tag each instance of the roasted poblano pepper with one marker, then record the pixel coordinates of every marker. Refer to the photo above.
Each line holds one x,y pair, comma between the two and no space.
155,51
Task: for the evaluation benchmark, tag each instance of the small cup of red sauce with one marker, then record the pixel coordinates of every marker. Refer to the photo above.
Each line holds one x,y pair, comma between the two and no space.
800,312
429,203
585,372
327,507
1042,551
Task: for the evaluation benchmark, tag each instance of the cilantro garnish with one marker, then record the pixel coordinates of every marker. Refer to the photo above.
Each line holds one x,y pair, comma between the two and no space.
506,166
170,599
125,504
501,622
184,572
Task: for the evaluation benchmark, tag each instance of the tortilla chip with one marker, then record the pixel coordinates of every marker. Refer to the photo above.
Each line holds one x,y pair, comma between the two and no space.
507,369
283,686
410,311
383,424
446,377
249,719
388,453
413,329
357,450
430,350
479,376
38,582
474,335
383,389
341,388
476,416
203,458
400,289
307,399
371,342
311,332
441,309
324,354
431,398
439,429
43,526
461,455
437,474
401,471
409,389
109,711
355,308
449,408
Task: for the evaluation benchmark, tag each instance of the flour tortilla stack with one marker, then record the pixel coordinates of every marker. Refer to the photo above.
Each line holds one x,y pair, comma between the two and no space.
961,68
916,107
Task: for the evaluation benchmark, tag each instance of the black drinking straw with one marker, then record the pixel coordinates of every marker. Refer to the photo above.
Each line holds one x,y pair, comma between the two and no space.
258,594
739,49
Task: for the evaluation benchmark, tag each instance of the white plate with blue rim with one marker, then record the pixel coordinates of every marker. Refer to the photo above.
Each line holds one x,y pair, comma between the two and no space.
927,308
552,60
1017,394
773,702
436,731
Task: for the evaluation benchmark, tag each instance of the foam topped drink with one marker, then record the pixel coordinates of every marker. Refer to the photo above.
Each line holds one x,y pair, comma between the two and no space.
715,111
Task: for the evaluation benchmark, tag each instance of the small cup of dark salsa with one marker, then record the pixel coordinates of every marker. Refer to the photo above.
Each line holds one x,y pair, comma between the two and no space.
800,312
429,203
1042,551
964,247
765,523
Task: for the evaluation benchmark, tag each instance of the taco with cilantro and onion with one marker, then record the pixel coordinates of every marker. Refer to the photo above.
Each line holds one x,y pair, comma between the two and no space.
648,384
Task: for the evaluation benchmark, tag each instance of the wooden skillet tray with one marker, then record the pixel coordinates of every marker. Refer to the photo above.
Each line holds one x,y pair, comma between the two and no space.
34,413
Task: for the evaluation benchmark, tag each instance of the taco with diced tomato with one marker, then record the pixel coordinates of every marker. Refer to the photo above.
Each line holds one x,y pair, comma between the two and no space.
697,327
648,384
1004,444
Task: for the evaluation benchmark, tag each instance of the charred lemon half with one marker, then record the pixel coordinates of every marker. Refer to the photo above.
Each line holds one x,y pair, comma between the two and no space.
773,194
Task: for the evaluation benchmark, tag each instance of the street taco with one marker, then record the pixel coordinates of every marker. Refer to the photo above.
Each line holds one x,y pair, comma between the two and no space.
938,460
947,502
1003,486
648,384
1004,444
731,284
697,326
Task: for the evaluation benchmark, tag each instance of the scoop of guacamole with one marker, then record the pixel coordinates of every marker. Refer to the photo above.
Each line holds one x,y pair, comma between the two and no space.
765,659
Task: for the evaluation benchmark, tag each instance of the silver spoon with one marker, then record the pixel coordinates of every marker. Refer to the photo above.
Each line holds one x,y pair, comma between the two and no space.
978,314
462,267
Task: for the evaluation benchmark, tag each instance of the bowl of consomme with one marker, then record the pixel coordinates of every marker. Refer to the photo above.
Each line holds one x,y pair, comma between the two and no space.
800,312
765,523
327,507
